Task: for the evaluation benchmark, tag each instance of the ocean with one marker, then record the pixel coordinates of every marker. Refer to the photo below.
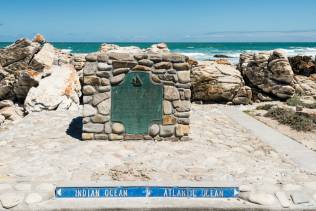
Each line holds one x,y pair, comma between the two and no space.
200,51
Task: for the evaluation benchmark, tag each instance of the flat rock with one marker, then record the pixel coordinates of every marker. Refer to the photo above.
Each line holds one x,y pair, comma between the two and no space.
261,198
33,198
11,199
283,199
299,197
6,103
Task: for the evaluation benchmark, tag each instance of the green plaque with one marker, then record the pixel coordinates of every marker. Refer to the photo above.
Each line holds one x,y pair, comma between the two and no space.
137,103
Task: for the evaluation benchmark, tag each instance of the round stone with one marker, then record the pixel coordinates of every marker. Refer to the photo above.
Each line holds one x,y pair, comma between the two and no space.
92,57
118,128
153,130
104,67
33,198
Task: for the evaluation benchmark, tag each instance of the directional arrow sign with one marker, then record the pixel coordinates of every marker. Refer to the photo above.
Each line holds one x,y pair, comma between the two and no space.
146,191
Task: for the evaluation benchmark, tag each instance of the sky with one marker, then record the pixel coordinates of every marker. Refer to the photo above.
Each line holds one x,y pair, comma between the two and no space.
159,20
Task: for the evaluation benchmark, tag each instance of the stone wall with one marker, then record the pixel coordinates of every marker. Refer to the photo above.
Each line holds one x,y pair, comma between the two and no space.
102,71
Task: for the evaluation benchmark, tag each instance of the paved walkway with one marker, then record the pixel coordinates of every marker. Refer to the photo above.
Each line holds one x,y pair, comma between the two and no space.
303,157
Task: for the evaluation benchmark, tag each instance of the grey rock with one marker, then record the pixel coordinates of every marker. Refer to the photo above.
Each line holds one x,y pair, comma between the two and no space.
117,79
103,74
121,56
102,57
181,66
100,118
11,199
87,99
85,120
118,128
182,114
187,94
105,81
115,137
93,128
163,65
33,198
167,107
155,57
175,58
91,80
167,130
184,76
104,67
88,90
146,62
107,127
120,71
101,137
92,57
183,86
104,107
185,121
182,105
90,68
97,98
140,56
123,64
153,130
104,88
171,93
142,68
88,110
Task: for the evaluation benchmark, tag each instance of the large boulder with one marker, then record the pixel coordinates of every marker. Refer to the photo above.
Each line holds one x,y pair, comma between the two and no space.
60,91
24,64
269,72
218,82
303,65
306,85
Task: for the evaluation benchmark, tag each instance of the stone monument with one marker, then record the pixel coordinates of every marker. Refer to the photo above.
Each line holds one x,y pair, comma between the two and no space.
136,96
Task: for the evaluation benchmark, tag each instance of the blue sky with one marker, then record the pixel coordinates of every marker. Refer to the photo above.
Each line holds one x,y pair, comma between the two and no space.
159,20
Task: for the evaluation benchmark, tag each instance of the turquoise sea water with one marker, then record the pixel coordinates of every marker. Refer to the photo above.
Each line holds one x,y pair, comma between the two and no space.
202,51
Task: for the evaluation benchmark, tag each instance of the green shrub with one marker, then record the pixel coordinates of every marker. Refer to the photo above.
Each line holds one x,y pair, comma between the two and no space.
264,107
297,121
294,101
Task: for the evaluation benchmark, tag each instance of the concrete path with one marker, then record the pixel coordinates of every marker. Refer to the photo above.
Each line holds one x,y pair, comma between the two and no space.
303,157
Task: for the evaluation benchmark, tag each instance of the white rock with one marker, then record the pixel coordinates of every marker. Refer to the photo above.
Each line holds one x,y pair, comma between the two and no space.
33,198
283,199
299,197
11,199
54,90
45,187
44,58
261,198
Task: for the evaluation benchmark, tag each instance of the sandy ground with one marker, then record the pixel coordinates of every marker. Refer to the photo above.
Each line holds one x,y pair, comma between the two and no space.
46,147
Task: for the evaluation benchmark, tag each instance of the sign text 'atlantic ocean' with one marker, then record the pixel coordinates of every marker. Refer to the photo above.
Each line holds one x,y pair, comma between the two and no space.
146,191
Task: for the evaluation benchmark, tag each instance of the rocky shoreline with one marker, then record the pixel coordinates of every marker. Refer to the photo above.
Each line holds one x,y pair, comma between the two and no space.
35,76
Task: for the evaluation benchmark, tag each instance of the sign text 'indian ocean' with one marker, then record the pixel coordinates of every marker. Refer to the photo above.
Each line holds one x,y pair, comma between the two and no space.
146,191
